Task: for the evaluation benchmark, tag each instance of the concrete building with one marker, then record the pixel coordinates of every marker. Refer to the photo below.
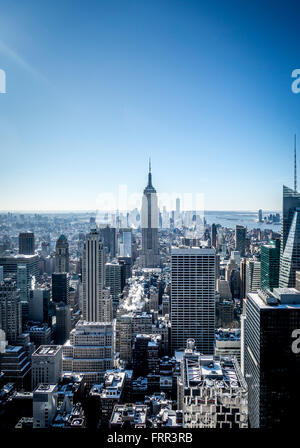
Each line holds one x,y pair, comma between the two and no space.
212,392
129,415
252,275
10,310
46,365
240,239
44,405
193,286
62,257
150,246
26,243
89,351
93,276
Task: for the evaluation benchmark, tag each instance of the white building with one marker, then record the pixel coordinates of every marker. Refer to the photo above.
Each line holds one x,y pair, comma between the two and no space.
193,284
44,405
89,351
46,365
212,392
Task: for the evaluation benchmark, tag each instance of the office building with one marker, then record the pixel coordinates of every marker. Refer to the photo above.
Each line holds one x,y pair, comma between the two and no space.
109,237
63,323
61,288
193,285
15,364
93,276
252,275
270,261
62,254
89,351
22,282
10,310
271,366
46,365
125,243
39,305
150,246
10,265
240,239
113,280
44,405
214,236
26,243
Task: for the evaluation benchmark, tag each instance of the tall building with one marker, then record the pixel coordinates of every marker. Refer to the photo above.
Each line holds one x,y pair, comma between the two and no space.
93,276
109,237
10,310
193,285
260,216
63,323
271,366
240,239
150,245
125,243
113,280
46,365
289,253
214,236
269,269
61,288
22,282
62,254
39,305
26,243
89,351
252,275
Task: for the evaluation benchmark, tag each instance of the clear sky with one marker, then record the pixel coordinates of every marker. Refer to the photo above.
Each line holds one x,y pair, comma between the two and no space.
96,87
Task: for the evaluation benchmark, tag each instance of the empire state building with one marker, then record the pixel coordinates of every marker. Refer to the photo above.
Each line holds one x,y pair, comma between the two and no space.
150,248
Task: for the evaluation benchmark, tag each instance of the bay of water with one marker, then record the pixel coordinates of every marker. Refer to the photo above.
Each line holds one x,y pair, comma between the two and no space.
244,218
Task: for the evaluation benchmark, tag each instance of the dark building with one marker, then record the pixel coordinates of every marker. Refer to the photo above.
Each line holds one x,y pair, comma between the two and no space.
109,236
26,243
10,310
271,365
214,235
61,288
269,268
15,364
240,239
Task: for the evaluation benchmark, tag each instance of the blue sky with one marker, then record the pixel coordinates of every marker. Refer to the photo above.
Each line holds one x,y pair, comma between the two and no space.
94,88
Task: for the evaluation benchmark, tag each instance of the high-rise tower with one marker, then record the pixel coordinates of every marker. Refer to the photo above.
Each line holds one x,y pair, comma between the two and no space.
150,247
93,277
62,254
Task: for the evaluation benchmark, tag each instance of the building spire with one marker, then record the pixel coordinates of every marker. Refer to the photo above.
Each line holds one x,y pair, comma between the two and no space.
295,166
149,164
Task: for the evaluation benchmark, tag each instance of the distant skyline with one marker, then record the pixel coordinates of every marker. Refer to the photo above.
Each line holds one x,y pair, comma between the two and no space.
93,89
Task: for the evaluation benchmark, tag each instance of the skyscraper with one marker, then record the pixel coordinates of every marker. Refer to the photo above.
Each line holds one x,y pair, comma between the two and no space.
150,246
61,288
240,239
214,236
10,310
26,243
271,367
93,276
270,258
252,275
62,254
290,238
193,284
